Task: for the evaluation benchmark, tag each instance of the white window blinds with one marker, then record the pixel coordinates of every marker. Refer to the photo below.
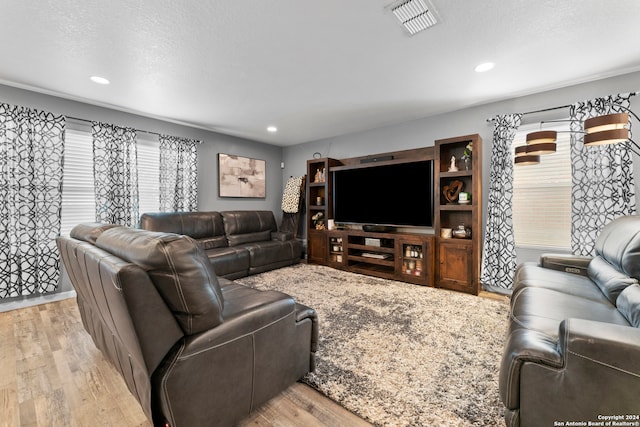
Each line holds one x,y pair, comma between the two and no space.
542,195
78,196
148,173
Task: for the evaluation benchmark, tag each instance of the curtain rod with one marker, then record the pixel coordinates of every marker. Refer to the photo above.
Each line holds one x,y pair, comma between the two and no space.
137,130
555,108
544,110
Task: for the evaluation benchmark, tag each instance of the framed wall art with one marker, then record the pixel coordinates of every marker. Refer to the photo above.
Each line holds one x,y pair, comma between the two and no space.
241,176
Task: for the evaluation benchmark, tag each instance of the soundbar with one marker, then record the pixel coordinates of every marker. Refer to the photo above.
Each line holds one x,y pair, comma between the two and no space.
376,159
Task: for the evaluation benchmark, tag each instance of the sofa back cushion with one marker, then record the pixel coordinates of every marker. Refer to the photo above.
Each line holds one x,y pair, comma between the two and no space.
205,227
178,268
89,232
629,304
619,244
609,279
248,226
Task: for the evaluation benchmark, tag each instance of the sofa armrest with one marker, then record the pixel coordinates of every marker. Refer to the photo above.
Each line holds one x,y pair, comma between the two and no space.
522,346
224,373
281,236
598,370
614,346
566,262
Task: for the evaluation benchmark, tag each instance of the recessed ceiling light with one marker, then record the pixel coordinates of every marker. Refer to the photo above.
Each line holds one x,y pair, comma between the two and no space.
99,80
272,129
485,67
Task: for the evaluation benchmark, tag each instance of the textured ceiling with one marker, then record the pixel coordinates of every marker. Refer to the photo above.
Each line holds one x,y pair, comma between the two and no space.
314,69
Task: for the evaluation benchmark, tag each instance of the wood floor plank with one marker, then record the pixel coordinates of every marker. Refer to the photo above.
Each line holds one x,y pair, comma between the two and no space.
9,407
52,375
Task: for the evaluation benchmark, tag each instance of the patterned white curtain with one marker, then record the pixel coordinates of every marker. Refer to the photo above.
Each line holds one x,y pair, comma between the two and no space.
31,157
115,171
499,251
178,174
603,186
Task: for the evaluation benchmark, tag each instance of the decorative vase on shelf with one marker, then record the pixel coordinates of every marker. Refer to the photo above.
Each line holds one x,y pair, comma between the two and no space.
467,163
462,232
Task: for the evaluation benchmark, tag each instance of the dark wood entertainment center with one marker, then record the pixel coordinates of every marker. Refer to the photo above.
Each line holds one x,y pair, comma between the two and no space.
422,258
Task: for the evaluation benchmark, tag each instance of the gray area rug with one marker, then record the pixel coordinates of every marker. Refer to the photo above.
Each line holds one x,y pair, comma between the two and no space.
399,354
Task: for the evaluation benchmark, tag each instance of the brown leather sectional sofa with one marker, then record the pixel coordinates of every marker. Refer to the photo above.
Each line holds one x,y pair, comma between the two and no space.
194,349
573,349
238,243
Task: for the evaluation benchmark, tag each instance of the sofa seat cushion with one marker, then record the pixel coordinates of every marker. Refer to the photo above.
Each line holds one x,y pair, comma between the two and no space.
273,252
229,262
245,311
532,275
543,310
179,269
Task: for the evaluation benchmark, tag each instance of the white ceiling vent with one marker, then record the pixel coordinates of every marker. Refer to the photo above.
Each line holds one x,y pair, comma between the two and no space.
414,15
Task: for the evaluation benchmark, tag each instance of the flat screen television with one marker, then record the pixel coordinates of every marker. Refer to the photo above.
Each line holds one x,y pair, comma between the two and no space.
398,195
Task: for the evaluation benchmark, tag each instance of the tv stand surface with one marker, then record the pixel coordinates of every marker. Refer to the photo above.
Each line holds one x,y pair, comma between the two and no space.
406,257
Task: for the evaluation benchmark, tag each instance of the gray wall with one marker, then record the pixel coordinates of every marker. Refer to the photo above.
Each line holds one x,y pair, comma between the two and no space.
423,132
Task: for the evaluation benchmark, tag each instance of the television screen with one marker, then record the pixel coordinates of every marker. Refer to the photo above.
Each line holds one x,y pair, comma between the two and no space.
393,195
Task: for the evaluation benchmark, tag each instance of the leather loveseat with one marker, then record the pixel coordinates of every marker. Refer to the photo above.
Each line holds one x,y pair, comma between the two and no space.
573,347
238,243
194,349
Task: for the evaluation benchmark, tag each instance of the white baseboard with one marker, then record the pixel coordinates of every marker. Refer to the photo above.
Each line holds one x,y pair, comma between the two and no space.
31,301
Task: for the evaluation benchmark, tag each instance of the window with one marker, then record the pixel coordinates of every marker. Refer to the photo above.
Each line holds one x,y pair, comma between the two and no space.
78,197
148,173
542,195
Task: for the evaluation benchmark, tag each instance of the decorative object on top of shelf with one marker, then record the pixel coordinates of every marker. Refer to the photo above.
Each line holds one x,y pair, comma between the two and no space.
331,224
317,155
319,176
464,198
446,233
452,190
453,167
241,176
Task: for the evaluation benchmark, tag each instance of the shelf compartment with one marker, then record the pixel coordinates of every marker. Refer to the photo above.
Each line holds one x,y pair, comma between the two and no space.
366,248
388,262
456,207
377,270
456,174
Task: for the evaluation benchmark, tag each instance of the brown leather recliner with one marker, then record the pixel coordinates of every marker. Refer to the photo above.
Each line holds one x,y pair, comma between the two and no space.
194,350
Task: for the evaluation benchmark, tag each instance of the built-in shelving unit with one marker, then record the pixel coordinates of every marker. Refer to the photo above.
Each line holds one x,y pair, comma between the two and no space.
457,263
319,207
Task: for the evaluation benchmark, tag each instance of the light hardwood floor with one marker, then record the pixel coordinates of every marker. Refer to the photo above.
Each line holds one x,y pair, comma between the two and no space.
52,375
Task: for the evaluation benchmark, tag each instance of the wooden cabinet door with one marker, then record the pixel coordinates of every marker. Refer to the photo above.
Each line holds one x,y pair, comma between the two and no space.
317,247
454,265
